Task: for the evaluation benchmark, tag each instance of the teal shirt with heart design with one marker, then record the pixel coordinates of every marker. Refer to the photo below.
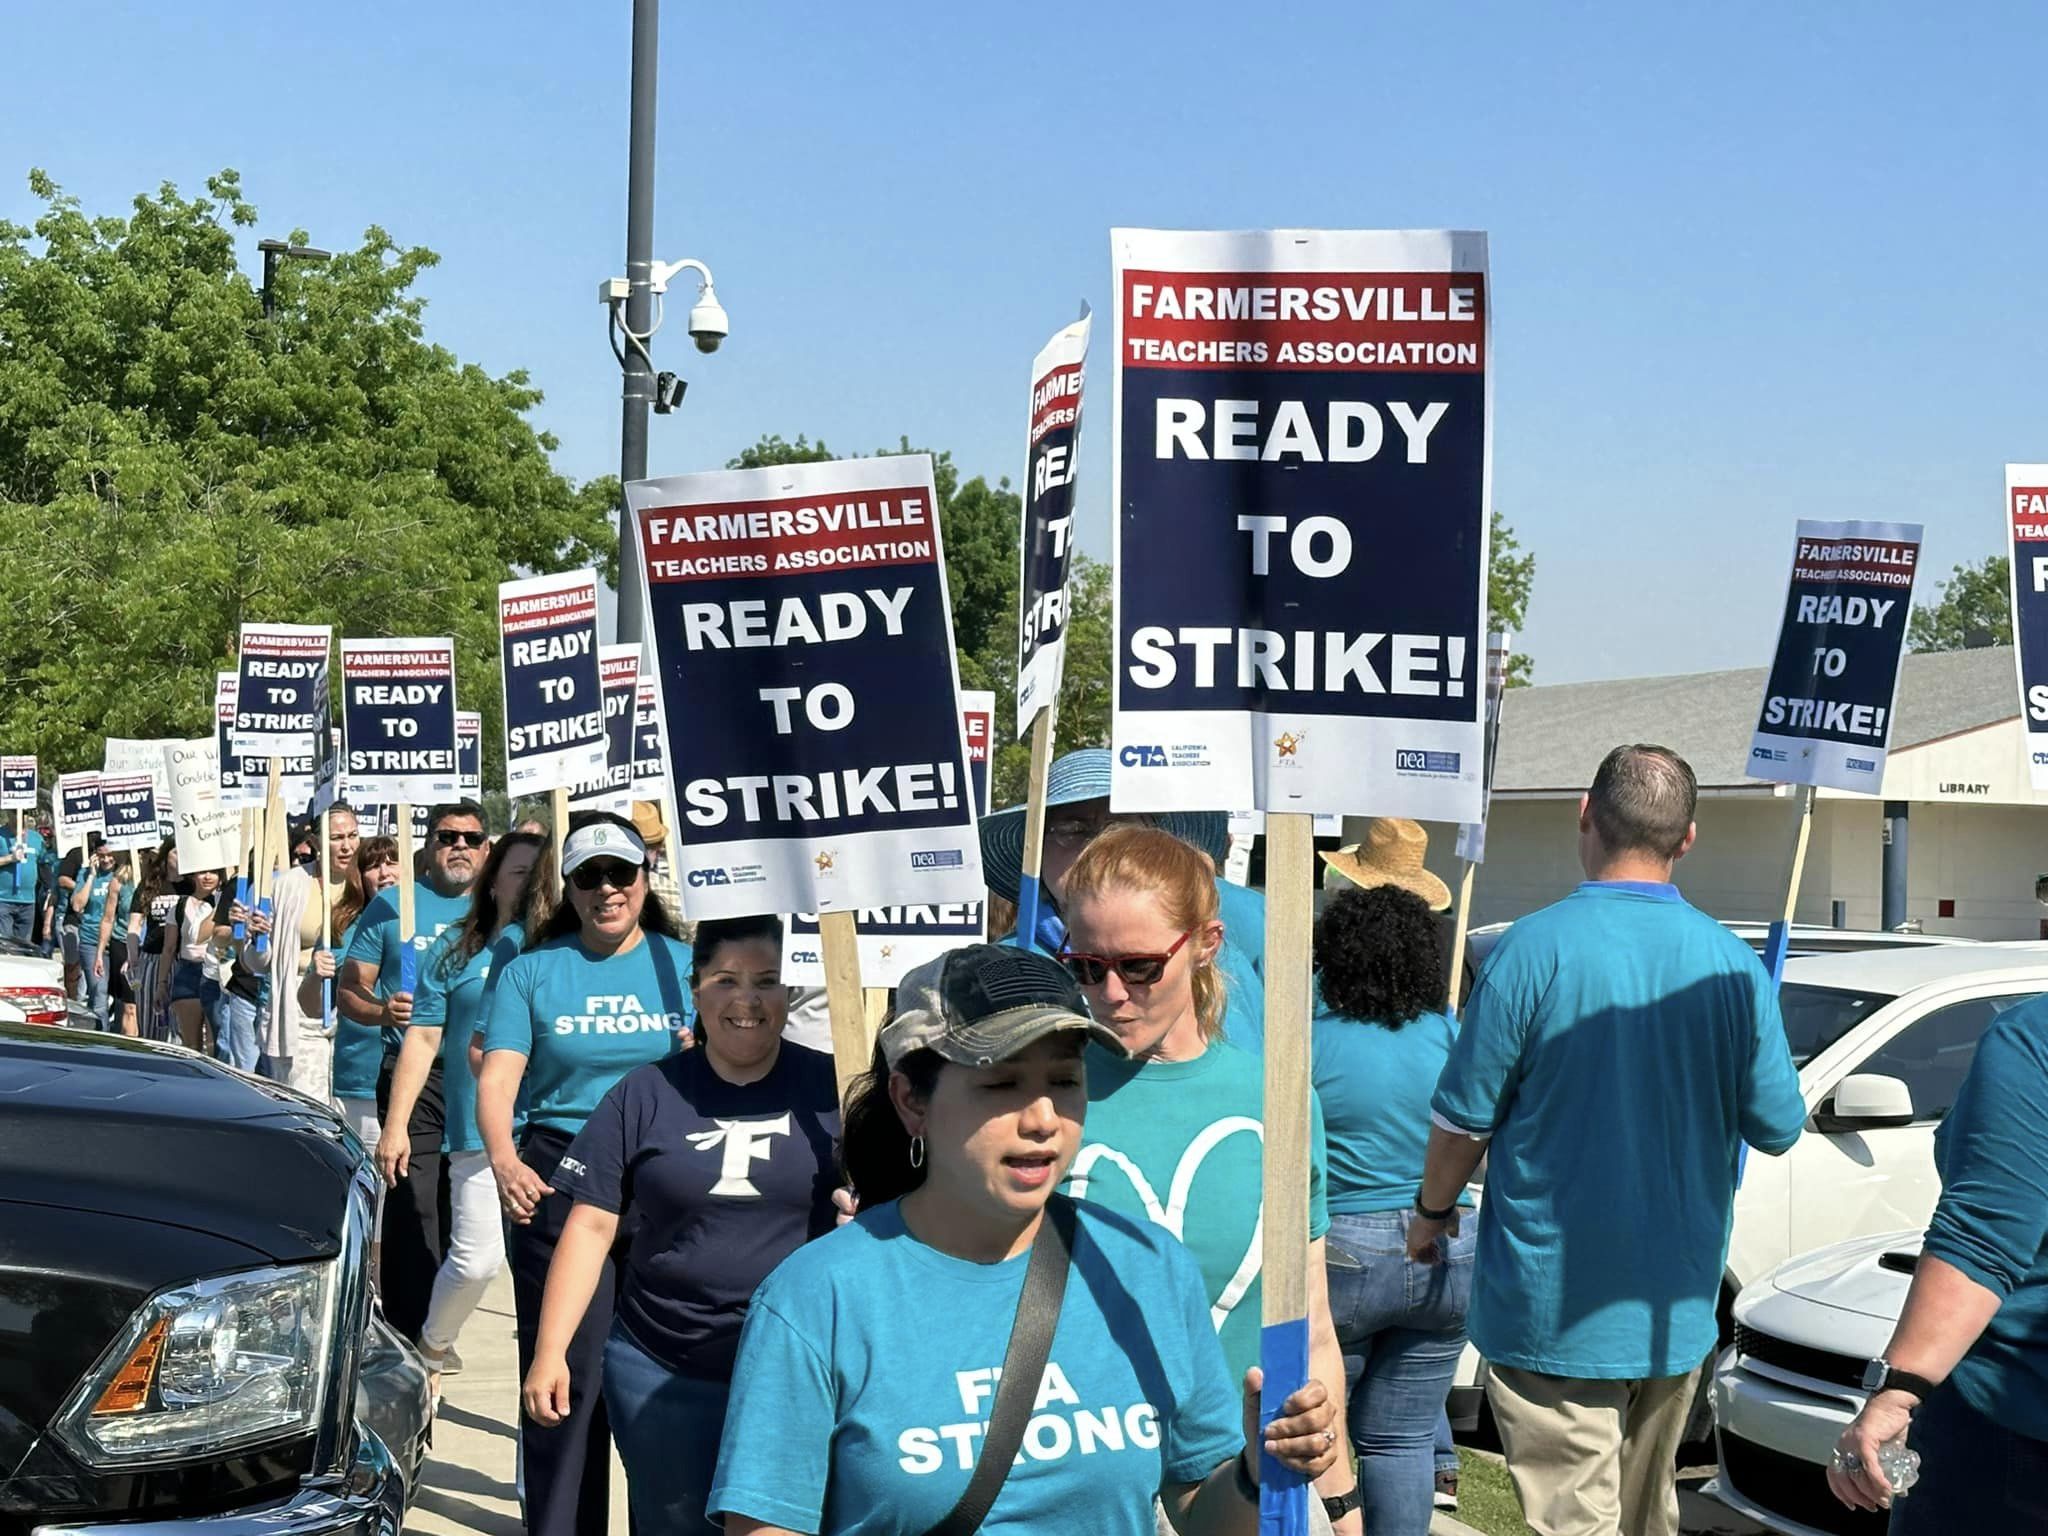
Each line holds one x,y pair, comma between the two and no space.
1181,1144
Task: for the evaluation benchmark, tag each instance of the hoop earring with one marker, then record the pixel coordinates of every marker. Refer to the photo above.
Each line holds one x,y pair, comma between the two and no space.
917,1151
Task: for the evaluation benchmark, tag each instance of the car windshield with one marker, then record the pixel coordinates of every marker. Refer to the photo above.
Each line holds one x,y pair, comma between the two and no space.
1816,1017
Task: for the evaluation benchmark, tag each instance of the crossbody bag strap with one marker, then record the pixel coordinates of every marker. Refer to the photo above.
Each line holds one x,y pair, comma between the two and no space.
1038,1314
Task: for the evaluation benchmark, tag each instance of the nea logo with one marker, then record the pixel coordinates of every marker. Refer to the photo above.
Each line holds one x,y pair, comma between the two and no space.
1143,757
702,877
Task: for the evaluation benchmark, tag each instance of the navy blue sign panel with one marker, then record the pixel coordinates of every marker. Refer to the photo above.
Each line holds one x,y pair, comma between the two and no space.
803,652
469,752
1827,710
554,707
78,809
2026,509
1303,424
128,802
612,790
17,783
1051,468
398,720
281,699
650,750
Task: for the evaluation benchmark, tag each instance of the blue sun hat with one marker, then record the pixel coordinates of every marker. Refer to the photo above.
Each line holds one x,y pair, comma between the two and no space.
1078,776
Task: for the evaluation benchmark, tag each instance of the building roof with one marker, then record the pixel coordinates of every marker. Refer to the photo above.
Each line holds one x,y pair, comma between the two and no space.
1552,738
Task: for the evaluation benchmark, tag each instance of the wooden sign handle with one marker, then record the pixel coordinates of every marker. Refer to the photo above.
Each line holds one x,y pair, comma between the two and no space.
839,938
1030,895
559,819
1452,1001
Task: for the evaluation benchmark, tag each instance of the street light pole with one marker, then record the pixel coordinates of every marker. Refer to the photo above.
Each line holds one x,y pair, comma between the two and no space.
638,375
275,251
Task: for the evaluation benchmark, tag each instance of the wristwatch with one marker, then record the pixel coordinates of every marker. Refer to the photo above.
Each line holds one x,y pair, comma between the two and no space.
1344,1503
1880,1375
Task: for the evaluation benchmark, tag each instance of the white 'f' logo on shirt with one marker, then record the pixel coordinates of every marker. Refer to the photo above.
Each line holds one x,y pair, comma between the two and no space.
745,1142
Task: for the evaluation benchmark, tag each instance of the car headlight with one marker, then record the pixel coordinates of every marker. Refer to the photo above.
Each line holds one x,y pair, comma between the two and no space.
236,1360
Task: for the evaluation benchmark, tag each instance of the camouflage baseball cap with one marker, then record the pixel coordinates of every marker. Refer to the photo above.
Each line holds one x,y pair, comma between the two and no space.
984,1003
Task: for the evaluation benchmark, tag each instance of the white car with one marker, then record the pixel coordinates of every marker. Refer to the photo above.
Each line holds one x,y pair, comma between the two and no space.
1882,1040
31,987
1790,1384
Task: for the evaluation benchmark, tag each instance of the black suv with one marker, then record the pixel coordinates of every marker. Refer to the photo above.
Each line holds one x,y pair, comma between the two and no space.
187,1331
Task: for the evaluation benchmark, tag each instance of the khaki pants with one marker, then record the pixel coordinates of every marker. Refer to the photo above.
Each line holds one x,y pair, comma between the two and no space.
1593,1458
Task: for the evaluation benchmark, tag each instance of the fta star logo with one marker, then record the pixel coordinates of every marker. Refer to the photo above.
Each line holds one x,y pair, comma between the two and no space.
1288,743
826,860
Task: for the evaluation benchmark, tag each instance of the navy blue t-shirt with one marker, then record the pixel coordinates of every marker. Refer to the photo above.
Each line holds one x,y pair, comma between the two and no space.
724,1181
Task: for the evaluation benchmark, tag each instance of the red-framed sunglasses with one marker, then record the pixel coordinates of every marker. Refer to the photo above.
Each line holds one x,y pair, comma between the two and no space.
1137,970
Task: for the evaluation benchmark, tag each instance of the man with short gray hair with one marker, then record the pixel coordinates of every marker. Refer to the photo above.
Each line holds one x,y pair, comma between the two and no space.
1617,1050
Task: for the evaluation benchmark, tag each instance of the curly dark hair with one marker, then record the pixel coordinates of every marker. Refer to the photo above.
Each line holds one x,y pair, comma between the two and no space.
1380,954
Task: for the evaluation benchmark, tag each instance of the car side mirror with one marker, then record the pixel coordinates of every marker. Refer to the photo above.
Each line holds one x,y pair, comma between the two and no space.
1867,1101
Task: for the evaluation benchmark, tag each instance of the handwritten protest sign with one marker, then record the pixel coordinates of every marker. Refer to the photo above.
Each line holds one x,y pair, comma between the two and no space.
17,783
1051,465
281,698
802,610
554,708
1827,709
398,720
1301,476
78,810
896,940
208,827
2026,521
612,790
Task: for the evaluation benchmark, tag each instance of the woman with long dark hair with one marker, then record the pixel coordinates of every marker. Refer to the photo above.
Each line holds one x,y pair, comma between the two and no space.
602,989
446,1009
153,956
718,1163
865,1375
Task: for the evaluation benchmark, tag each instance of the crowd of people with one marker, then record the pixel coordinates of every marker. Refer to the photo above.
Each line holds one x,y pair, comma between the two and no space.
1016,1272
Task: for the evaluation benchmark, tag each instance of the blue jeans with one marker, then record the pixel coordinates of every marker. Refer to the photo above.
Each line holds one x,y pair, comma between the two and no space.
666,1427
17,920
92,990
1976,1474
1401,1327
235,1032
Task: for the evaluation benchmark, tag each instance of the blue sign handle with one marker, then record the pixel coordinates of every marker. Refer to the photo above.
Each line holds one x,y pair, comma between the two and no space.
1283,1492
327,1005
241,929
408,968
263,939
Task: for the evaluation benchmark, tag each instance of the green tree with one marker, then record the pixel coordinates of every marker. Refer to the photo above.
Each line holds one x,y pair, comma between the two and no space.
172,464
1509,581
1974,609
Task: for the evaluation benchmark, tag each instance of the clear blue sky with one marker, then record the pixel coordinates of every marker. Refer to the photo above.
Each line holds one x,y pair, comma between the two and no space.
1751,261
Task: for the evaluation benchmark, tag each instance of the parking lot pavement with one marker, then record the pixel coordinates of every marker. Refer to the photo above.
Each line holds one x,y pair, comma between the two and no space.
470,1488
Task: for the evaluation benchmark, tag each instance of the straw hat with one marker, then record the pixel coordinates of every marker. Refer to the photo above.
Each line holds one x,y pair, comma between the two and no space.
647,822
1392,854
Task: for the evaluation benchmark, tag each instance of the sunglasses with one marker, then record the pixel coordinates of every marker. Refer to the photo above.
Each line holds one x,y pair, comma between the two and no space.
616,873
1138,970
464,839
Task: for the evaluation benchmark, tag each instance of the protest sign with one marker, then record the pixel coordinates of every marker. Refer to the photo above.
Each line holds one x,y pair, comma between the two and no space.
896,940
281,704
554,709
1300,471
1827,708
398,720
469,753
1052,447
17,783
241,780
78,810
802,647
207,827
1472,834
2026,521
128,801
1253,824
125,756
650,760
612,790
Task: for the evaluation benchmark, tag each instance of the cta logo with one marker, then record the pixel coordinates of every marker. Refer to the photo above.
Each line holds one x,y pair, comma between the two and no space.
1142,757
937,858
1414,760
1767,754
1860,764
702,877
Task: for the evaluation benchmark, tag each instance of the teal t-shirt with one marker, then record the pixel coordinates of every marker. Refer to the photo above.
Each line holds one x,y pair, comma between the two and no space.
1619,1047
95,910
1242,964
358,1048
583,1021
1181,1144
18,880
1992,1220
868,1365
450,999
373,940
1374,1085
